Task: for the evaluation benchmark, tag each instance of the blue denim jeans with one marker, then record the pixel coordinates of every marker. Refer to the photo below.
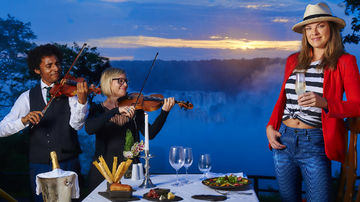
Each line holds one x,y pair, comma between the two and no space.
304,156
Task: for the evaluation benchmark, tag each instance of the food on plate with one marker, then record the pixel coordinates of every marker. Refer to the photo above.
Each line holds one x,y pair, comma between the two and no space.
231,180
170,196
152,194
120,187
161,194
117,172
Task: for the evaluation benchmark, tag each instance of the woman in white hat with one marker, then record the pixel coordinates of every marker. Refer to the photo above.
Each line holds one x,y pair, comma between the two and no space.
304,143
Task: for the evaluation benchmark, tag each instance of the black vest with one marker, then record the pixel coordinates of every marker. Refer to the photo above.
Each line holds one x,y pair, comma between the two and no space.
53,133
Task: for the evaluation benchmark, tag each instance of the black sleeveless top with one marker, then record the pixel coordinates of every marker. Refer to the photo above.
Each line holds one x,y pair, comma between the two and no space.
53,133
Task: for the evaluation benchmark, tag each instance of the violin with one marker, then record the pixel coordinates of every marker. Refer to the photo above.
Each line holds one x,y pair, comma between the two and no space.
67,87
148,103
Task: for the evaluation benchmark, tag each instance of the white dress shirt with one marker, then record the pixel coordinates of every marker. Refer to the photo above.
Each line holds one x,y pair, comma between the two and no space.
12,124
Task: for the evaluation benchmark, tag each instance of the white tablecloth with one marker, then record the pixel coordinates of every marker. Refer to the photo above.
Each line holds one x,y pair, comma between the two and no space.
186,191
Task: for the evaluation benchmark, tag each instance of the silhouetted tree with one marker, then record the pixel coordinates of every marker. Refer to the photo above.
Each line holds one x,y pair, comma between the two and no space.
89,65
15,41
353,7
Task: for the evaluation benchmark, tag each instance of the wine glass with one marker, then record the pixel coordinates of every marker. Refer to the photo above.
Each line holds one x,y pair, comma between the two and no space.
176,159
300,86
204,164
188,161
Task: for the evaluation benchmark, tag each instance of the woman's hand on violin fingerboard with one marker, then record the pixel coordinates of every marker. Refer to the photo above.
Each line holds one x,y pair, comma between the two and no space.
128,111
168,104
82,92
32,117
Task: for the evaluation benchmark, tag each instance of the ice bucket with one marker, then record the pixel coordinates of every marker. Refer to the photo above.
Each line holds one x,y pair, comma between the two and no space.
57,189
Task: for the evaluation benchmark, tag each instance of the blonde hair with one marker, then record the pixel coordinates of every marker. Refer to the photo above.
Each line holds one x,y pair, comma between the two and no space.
333,50
106,79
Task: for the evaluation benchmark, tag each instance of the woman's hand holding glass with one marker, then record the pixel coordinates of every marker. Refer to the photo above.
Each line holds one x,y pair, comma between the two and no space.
176,159
204,164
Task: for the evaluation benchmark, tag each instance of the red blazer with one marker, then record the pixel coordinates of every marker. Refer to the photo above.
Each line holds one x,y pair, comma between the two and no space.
344,79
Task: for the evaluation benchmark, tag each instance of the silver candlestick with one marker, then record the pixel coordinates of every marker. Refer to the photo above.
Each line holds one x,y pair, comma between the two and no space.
147,181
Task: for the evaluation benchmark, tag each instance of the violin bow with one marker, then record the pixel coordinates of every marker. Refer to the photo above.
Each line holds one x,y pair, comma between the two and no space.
62,82
137,99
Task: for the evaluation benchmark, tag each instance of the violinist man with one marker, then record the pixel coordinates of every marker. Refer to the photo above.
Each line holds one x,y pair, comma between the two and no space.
55,130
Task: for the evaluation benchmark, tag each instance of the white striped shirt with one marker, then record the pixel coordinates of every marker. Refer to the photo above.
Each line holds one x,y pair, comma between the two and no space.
314,83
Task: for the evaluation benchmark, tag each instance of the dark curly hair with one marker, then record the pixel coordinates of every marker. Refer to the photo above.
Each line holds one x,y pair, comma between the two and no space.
35,55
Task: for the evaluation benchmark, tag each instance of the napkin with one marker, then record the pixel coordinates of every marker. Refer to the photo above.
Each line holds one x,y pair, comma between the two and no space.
55,174
212,175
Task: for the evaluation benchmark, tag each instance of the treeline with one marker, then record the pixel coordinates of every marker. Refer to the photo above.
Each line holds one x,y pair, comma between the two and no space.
229,76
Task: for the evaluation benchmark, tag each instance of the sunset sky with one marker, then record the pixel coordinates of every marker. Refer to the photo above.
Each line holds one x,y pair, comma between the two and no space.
178,30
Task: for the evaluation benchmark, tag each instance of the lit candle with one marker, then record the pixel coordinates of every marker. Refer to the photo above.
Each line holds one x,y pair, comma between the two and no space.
146,132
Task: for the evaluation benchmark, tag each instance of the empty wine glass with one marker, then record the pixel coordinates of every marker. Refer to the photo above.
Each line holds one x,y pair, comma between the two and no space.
300,86
176,159
204,164
188,161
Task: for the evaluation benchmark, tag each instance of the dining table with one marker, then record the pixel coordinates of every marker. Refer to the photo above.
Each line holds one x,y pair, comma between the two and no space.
186,191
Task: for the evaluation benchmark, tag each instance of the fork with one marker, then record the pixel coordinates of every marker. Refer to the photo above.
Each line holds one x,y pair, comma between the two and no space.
240,193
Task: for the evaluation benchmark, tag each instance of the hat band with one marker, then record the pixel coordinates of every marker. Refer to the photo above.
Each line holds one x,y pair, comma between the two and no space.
316,16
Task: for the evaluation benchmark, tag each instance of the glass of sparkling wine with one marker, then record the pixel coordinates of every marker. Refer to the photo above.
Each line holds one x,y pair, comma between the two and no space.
300,86
188,161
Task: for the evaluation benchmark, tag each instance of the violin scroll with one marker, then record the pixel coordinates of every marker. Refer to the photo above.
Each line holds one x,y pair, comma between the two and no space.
186,105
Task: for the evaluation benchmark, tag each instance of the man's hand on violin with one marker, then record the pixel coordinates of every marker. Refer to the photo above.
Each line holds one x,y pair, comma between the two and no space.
128,111
32,117
168,104
82,92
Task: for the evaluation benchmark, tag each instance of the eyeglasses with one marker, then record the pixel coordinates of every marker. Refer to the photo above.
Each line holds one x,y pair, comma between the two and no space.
121,81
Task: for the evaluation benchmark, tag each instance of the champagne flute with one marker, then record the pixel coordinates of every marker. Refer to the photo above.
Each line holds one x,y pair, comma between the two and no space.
188,161
300,86
176,159
204,164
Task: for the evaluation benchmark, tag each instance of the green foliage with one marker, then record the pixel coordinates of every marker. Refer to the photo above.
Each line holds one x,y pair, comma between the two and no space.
89,65
15,41
129,140
352,7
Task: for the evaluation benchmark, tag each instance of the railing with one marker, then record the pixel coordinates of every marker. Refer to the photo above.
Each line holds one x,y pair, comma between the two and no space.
257,178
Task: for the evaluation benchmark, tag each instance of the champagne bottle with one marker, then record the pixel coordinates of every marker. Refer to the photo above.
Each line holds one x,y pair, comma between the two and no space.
55,163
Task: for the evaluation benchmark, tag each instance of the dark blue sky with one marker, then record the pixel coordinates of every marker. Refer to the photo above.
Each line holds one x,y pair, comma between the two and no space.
178,30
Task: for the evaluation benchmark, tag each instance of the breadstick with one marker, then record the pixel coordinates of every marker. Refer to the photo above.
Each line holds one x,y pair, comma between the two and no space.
128,163
114,166
106,167
118,172
125,168
107,177
98,167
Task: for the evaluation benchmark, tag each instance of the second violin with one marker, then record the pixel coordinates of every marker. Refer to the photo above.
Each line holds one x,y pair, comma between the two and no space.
148,103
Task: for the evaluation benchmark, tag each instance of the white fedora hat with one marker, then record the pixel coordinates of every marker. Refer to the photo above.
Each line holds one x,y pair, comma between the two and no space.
317,13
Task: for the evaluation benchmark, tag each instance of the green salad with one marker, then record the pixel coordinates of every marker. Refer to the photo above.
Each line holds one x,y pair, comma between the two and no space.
231,180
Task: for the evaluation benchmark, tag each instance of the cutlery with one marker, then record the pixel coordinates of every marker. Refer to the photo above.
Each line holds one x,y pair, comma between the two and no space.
240,193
